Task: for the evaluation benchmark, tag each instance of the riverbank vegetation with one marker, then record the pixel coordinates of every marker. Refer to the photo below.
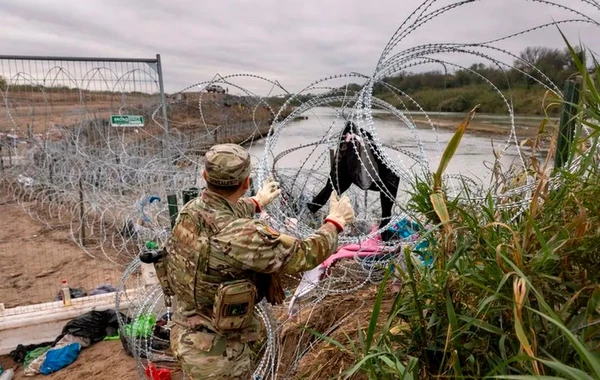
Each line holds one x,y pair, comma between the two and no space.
461,90
513,290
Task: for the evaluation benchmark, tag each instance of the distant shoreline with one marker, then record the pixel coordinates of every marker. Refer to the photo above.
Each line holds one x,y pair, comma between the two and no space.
481,128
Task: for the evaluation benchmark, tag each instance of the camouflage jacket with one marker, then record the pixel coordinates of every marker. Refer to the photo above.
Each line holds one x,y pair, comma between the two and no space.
238,246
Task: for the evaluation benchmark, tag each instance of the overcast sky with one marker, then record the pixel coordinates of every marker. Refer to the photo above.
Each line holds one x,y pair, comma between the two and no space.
294,42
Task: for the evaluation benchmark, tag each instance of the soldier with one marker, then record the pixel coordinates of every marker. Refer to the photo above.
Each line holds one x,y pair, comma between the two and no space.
220,261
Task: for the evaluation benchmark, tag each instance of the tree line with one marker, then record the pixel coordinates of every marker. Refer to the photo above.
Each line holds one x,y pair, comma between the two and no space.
460,90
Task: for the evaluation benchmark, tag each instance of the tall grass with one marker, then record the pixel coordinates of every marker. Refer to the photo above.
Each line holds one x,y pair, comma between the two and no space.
514,293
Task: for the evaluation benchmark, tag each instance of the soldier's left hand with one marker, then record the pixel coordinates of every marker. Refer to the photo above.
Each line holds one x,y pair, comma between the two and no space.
268,192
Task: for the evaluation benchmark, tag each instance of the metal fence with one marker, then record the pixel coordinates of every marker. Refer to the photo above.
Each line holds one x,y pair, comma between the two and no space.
90,151
83,142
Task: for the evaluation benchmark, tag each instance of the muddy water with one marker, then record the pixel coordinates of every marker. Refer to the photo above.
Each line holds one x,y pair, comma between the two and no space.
473,158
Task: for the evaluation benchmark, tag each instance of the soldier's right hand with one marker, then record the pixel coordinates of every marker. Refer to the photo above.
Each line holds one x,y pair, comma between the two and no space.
340,211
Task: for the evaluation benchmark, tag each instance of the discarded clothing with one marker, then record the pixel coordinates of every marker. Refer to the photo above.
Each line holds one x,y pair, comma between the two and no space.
58,359
360,161
32,355
103,289
19,354
112,337
407,229
94,325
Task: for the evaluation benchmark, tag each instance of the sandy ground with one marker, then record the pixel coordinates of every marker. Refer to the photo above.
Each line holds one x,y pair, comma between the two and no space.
34,259
103,360
107,359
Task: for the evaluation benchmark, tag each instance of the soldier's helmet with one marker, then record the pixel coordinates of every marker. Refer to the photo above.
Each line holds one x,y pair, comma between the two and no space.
227,165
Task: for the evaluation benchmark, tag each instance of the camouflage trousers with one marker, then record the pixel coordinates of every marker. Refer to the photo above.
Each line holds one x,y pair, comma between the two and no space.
207,355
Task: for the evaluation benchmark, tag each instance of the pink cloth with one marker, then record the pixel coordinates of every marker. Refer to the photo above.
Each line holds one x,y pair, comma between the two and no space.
369,247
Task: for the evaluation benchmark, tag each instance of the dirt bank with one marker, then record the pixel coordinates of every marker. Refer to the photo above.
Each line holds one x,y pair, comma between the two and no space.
34,259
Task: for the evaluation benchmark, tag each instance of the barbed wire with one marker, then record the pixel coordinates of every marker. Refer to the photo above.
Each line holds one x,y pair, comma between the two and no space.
109,187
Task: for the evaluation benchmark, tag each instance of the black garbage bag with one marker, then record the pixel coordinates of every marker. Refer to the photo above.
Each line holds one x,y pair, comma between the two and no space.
95,325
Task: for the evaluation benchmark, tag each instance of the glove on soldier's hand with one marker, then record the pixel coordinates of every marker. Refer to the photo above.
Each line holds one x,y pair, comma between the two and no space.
340,211
267,193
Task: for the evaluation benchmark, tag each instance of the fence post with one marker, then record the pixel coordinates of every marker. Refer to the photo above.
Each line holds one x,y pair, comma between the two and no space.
567,123
189,194
50,176
81,214
172,201
163,101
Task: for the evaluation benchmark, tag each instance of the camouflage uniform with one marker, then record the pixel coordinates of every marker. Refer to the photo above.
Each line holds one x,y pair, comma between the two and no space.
236,246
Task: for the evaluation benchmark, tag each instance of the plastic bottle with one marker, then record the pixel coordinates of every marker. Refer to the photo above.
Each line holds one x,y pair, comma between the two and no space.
66,294
8,374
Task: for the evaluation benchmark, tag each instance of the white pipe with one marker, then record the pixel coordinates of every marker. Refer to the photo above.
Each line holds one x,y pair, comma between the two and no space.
39,323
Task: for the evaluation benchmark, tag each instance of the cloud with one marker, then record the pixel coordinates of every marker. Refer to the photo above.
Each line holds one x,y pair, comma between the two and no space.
292,42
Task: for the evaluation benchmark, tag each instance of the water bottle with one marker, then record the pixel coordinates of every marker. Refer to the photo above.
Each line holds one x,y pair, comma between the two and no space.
8,374
66,294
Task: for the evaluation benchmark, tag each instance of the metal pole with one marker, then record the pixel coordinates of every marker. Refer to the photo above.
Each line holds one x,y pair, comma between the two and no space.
81,213
165,117
567,123
173,211
162,96
162,92
75,59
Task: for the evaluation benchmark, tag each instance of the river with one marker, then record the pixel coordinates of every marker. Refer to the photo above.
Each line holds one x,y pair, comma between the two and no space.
470,159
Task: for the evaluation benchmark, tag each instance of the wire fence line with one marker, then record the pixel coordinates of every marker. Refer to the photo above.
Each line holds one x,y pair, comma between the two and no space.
88,152
105,187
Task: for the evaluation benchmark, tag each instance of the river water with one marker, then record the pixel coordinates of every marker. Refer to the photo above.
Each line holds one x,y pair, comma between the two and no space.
472,159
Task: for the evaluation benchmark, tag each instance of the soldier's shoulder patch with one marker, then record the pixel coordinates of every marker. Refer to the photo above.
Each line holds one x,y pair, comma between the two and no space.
272,231
267,231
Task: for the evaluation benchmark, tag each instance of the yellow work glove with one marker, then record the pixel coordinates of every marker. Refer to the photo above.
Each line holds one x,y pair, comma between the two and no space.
267,193
340,211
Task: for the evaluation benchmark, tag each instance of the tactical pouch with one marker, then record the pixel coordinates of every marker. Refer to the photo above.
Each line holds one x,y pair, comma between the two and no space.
234,305
161,273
